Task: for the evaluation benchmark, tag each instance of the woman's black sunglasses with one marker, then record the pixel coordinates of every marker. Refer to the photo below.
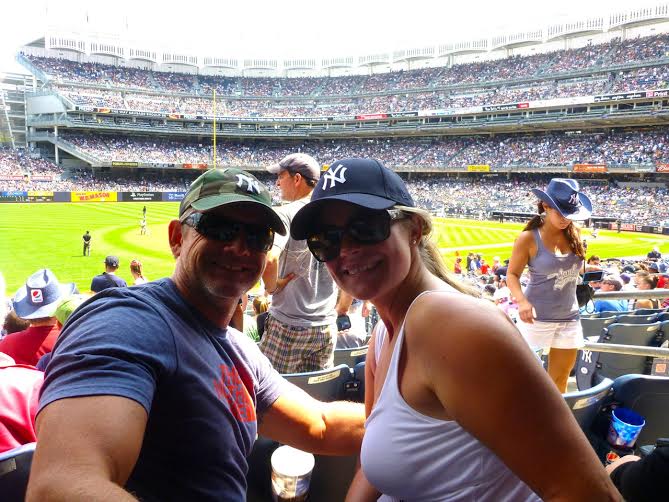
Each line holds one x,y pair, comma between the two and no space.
369,228
258,237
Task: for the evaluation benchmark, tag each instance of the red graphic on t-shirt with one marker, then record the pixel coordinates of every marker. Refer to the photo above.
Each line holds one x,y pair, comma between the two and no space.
231,388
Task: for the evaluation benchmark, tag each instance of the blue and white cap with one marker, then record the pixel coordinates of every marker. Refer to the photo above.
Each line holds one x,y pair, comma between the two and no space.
363,182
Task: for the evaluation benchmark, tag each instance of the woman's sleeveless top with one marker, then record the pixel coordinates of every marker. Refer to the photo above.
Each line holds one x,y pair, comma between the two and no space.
553,280
409,456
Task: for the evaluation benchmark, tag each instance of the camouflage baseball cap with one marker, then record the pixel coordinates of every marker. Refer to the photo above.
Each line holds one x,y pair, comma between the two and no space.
218,187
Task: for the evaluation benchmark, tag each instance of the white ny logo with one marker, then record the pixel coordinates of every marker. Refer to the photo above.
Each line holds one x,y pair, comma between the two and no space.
573,200
586,356
252,185
335,176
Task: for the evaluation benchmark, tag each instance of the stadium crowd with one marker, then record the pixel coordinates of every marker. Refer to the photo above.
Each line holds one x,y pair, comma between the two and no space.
448,195
596,56
617,148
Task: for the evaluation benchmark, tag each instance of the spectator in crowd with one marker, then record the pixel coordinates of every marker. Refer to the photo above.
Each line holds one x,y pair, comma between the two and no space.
352,330
36,302
86,239
610,305
550,245
641,479
646,282
457,268
137,274
256,328
376,245
108,278
594,263
20,385
114,398
654,254
13,323
300,330
64,310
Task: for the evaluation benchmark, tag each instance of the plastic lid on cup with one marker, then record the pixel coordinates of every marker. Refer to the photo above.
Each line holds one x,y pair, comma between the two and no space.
289,461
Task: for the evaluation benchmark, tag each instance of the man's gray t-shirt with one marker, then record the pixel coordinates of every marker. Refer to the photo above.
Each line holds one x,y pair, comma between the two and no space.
309,299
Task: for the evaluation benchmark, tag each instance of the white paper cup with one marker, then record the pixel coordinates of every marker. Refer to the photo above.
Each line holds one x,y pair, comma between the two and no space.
291,474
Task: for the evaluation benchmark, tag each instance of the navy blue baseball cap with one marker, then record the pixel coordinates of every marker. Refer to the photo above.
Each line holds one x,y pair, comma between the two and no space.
364,182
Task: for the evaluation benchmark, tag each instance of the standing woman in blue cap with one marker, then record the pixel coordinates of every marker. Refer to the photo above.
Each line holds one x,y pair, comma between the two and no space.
457,407
551,246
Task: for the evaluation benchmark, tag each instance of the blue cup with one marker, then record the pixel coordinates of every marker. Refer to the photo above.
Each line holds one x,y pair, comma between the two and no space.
625,427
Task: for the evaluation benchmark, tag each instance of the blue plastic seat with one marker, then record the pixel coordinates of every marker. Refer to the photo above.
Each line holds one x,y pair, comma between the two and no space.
14,472
324,385
350,356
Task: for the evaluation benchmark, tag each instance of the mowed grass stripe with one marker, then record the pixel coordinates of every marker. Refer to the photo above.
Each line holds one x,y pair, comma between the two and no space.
49,235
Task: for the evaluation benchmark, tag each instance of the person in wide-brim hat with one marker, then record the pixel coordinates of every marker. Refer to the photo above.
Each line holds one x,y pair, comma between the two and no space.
41,295
564,195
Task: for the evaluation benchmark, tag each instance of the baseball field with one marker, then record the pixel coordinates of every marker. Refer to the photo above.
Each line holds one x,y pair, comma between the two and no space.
34,236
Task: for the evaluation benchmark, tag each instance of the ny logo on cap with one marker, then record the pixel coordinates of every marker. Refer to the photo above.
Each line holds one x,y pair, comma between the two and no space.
36,296
252,185
334,176
573,200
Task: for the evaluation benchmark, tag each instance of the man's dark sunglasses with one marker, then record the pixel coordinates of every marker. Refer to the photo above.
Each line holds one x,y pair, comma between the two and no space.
369,228
258,237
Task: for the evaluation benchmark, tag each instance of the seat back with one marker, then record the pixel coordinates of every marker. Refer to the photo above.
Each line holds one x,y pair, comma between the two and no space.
663,317
592,367
636,319
615,365
350,356
649,397
359,376
648,311
14,472
613,313
585,404
324,385
594,326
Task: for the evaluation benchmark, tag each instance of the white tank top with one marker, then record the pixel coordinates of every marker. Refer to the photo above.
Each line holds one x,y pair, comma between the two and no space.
409,456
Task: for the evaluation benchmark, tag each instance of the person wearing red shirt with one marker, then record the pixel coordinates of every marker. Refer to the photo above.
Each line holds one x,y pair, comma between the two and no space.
19,393
36,302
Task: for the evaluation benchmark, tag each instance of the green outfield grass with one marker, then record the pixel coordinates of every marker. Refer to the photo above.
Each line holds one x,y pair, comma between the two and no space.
49,235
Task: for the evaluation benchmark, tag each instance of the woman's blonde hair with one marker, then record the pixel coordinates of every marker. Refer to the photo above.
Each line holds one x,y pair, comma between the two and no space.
431,256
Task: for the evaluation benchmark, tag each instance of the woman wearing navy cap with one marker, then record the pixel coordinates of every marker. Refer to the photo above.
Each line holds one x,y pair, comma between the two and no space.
458,408
551,246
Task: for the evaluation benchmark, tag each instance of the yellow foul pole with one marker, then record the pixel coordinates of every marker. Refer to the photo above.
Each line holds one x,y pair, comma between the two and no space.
214,128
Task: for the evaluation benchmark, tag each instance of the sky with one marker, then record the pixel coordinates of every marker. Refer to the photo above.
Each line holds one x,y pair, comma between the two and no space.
288,28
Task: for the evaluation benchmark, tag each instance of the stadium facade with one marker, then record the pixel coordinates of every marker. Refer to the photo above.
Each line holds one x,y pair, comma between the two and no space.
587,99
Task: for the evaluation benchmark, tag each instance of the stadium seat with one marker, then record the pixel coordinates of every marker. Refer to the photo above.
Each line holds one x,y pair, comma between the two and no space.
593,326
636,319
325,385
350,356
663,317
648,396
614,313
592,367
585,404
648,311
359,377
14,471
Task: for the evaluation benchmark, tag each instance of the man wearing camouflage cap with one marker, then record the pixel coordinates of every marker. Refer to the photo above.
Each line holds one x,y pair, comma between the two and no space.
150,392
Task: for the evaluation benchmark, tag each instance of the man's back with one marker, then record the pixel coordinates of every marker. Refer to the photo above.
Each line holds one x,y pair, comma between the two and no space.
104,280
200,386
29,345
